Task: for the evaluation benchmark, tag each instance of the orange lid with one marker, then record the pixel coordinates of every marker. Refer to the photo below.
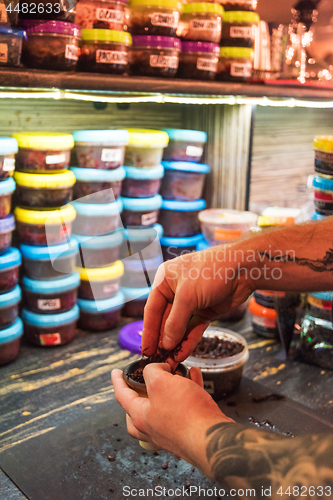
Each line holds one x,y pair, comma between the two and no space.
264,312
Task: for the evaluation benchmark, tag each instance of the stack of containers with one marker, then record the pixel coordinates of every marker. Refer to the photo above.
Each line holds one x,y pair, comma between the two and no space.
11,327
141,205
181,189
99,177
44,221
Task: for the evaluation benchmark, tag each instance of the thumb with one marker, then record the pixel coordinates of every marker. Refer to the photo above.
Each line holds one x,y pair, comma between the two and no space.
154,375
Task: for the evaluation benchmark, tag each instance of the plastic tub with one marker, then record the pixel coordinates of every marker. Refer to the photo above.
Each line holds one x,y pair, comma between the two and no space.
320,305
9,307
198,60
7,187
264,320
7,226
135,301
180,218
101,282
100,315
97,186
10,46
145,147
52,296
221,375
201,22
10,340
9,270
266,298
155,56
96,219
184,145
41,191
323,147
249,5
51,45
105,51
98,251
44,228
183,181
138,274
323,194
49,330
8,148
100,149
221,226
141,242
154,17
101,14
174,247
142,182
141,211
316,341
238,29
49,262
235,64
43,151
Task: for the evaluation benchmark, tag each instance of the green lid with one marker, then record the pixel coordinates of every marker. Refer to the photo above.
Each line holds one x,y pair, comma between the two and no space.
107,36
169,4
235,16
234,52
212,8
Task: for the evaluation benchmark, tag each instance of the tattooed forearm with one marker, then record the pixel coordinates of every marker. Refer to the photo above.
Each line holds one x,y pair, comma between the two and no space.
317,265
241,457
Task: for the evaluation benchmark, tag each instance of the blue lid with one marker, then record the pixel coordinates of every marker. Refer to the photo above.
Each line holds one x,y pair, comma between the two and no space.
102,136
8,146
96,306
189,241
144,234
50,320
316,216
202,245
51,286
7,224
12,258
186,166
130,337
142,204
7,187
183,206
321,183
135,293
11,31
144,173
136,265
13,332
94,209
11,298
105,241
51,252
98,174
328,296
178,134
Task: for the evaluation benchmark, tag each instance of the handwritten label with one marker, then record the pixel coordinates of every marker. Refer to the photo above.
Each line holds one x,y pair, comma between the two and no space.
166,20
209,386
9,164
111,288
241,70
158,61
205,24
3,53
110,15
50,339
241,32
111,57
49,304
147,219
207,64
72,52
194,151
55,159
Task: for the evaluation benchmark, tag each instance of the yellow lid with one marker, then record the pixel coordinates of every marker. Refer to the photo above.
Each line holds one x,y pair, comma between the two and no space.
323,143
145,138
267,220
44,140
58,216
206,7
102,273
65,178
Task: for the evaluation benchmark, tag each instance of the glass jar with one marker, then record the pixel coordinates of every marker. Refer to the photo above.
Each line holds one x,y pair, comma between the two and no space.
142,182
96,219
316,342
323,194
100,149
198,60
101,14
201,21
235,64
238,29
97,186
141,211
249,5
323,147
10,46
145,147
180,218
8,149
183,181
155,56
185,145
7,188
154,17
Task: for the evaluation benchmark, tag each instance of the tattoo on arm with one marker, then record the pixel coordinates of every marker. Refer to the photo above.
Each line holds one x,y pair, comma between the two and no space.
317,265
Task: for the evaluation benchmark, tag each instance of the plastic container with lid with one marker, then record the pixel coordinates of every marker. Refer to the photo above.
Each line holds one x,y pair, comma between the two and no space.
142,242
198,60
249,5
145,147
101,14
51,45
43,151
141,211
154,17
7,188
50,330
224,226
174,247
316,216
238,29
154,56
183,181
221,375
49,262
323,194
97,186
323,147
201,22
135,301
9,307
320,305
51,296
96,219
235,64
9,269
100,315
10,339
138,274
142,182
316,341
105,51
43,228
264,320
7,226
98,251
184,145
101,282
8,149
267,298
10,46
180,218
100,149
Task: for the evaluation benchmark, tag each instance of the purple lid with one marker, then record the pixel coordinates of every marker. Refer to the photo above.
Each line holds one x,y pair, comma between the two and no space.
7,224
213,48
41,26
156,42
130,337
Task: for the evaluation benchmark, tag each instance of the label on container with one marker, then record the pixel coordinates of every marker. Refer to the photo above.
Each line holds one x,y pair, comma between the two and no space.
111,57
323,195
209,386
207,64
3,13
263,322
113,288
110,15
226,234
205,24
241,32
49,304
241,70
321,155
3,53
156,61
147,219
72,52
319,303
54,159
194,151
166,20
50,339
112,155
8,164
